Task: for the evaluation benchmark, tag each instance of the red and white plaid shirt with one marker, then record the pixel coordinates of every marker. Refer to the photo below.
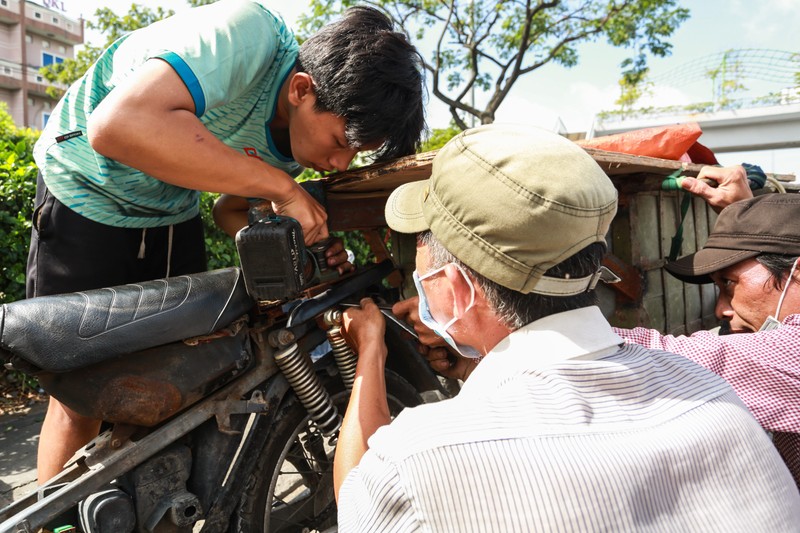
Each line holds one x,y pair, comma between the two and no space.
763,368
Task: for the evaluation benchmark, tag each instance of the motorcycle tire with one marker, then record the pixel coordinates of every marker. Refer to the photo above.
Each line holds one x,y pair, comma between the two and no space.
291,488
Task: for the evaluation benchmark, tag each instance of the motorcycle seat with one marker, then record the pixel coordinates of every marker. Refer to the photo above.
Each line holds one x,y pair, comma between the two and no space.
69,331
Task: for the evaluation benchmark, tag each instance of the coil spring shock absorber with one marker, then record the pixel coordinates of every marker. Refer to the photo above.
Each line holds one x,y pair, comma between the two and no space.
299,372
346,359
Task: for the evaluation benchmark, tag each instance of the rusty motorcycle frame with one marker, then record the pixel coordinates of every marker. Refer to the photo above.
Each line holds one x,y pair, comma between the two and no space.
221,409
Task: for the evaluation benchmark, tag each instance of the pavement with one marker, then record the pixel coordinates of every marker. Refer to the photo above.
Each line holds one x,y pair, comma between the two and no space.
19,437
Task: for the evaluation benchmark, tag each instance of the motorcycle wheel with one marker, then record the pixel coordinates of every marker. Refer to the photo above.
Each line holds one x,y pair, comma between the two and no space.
291,488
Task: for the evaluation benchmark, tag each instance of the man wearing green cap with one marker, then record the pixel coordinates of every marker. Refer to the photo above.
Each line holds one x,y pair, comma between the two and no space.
562,426
752,256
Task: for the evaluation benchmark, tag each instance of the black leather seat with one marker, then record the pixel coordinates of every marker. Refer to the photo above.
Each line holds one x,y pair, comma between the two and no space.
69,331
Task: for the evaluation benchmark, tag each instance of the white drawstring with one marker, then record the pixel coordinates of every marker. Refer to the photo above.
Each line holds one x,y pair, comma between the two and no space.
169,249
786,288
141,246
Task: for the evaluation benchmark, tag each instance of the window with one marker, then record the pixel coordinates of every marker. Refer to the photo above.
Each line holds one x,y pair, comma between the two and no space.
49,59
62,49
45,44
3,2
37,15
55,20
39,79
45,118
6,70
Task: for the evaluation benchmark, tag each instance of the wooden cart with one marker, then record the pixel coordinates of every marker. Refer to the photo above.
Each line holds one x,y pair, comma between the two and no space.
639,238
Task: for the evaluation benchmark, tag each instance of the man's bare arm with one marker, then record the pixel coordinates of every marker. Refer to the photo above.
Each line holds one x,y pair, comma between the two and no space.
148,123
368,408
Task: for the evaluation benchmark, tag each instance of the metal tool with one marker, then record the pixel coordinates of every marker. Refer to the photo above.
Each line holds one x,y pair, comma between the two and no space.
387,312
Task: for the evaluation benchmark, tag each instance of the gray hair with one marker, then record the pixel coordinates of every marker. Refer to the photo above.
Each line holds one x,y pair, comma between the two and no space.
513,308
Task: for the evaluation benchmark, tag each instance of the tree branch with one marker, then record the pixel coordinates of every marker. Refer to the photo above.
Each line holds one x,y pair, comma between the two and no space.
437,67
503,85
457,119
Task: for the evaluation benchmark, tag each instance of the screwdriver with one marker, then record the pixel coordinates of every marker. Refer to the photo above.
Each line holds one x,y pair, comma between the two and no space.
387,312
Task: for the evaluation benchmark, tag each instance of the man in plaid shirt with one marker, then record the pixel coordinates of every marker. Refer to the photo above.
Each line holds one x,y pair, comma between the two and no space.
752,256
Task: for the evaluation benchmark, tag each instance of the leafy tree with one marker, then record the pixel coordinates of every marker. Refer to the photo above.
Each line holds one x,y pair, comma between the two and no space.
110,24
633,85
488,45
439,137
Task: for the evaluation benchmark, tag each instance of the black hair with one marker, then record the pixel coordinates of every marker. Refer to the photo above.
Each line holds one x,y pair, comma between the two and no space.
779,266
372,76
516,309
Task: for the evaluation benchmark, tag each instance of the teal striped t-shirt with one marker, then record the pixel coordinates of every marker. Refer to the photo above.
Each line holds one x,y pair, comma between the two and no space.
233,56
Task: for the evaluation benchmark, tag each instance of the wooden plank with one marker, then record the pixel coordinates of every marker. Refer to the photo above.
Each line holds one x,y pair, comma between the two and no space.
645,231
347,212
382,177
653,302
668,204
630,286
617,164
709,292
388,176
625,170
691,293
674,304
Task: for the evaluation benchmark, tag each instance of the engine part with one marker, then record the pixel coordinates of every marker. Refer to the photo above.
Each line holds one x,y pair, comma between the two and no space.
109,511
162,502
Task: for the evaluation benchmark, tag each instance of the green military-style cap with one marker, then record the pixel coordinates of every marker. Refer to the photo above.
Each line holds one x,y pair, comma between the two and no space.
510,202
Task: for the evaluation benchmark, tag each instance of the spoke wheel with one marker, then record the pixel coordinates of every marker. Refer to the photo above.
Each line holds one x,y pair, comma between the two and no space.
291,488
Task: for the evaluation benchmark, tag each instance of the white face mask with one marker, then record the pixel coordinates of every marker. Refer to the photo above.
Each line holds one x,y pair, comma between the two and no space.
427,318
772,322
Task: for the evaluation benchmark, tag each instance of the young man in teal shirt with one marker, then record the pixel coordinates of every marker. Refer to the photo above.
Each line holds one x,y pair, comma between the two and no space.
219,98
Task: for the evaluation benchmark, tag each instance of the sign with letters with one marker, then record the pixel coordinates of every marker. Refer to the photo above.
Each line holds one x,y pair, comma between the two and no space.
55,4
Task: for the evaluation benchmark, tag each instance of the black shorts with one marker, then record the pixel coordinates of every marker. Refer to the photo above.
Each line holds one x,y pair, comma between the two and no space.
72,253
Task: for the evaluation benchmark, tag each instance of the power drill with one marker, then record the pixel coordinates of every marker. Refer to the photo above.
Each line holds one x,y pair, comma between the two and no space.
276,264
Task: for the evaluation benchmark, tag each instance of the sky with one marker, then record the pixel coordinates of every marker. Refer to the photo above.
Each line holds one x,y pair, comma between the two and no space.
555,95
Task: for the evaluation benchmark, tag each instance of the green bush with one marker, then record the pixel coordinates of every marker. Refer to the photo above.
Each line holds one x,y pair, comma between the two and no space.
220,247
17,190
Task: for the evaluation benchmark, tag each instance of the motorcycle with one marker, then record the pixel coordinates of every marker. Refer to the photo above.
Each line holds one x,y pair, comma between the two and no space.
221,392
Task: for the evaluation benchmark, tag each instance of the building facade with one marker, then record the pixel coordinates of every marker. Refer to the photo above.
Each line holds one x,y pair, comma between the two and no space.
32,36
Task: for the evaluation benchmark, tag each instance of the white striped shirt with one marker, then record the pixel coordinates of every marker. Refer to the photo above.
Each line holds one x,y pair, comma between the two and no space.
562,428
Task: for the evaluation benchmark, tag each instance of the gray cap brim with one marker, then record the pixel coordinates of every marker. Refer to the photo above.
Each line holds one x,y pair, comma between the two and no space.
695,268
404,211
